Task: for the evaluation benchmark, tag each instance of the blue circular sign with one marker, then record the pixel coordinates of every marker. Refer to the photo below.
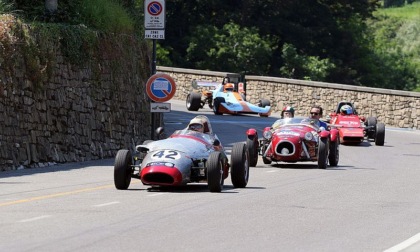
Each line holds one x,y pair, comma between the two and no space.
160,87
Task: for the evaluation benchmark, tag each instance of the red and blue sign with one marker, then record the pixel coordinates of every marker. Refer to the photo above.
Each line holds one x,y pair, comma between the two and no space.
160,87
154,8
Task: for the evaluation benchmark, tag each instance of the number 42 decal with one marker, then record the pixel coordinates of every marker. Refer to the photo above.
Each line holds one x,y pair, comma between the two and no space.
169,154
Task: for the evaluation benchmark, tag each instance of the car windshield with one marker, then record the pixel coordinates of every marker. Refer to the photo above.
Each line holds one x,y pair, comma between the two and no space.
192,133
295,120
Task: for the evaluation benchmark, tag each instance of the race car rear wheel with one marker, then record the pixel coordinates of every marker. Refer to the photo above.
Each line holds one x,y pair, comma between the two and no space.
123,169
240,165
193,101
215,172
264,103
334,154
322,153
252,144
371,123
380,134
216,105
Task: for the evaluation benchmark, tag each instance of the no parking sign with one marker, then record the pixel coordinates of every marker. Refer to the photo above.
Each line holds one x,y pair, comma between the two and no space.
160,87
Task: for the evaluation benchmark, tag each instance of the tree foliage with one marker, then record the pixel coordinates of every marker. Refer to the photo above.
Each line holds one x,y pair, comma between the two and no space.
325,40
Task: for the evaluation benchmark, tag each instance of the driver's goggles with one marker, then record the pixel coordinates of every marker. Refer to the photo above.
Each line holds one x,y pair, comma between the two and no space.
196,126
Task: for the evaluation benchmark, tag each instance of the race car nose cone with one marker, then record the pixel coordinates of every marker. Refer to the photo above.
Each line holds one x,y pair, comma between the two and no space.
161,175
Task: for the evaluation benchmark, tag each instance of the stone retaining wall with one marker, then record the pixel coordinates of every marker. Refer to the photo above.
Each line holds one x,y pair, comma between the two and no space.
392,107
81,112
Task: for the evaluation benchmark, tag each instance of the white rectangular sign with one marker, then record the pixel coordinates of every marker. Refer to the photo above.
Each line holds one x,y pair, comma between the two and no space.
154,14
154,34
160,107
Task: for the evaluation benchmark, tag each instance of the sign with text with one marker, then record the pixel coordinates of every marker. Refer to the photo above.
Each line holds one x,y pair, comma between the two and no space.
154,14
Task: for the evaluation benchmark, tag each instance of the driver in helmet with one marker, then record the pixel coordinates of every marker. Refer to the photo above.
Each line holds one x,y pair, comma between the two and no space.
196,126
201,124
346,110
288,112
229,87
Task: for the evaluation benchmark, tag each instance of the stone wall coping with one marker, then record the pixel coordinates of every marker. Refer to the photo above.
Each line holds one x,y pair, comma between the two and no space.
191,71
333,85
295,82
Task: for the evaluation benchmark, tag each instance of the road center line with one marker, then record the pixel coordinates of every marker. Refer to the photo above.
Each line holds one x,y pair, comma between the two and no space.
405,244
107,204
35,218
49,196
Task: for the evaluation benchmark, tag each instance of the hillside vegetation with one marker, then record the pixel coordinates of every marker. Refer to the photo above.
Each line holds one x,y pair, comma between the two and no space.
397,36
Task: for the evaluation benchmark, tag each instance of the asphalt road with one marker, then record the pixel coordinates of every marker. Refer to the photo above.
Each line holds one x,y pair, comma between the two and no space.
370,202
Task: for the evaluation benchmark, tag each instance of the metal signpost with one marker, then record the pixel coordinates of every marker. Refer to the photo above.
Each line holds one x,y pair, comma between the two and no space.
159,88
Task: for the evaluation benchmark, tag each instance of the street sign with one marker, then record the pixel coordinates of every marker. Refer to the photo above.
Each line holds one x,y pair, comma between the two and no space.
154,34
160,87
154,14
160,107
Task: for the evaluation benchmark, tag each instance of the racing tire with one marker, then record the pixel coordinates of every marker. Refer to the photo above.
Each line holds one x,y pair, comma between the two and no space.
334,154
215,172
380,134
239,165
264,103
322,153
371,123
193,102
216,103
123,169
252,145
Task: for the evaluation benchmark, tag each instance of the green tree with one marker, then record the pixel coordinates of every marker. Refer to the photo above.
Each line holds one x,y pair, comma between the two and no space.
231,48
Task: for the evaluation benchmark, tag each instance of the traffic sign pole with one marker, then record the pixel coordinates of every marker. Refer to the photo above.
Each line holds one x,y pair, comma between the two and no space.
154,27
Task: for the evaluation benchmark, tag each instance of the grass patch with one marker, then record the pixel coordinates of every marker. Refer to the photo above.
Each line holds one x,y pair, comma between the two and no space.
107,16
409,11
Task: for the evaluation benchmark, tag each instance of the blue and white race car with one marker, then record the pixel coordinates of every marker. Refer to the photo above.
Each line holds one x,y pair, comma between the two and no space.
227,97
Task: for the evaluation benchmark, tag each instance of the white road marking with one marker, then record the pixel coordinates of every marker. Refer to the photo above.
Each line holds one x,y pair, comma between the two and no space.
156,194
272,171
107,204
405,244
35,218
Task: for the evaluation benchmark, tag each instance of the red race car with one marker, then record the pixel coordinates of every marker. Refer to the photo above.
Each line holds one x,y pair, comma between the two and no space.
354,129
294,140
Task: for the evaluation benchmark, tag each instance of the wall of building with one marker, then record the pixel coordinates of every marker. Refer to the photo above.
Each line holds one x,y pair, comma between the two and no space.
394,108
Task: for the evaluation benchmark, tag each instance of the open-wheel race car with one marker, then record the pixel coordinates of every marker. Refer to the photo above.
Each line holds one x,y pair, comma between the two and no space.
293,140
186,156
228,97
353,128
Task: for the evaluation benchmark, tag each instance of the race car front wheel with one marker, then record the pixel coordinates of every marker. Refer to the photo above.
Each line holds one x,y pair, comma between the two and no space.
380,134
216,105
240,165
215,172
322,153
122,169
252,144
